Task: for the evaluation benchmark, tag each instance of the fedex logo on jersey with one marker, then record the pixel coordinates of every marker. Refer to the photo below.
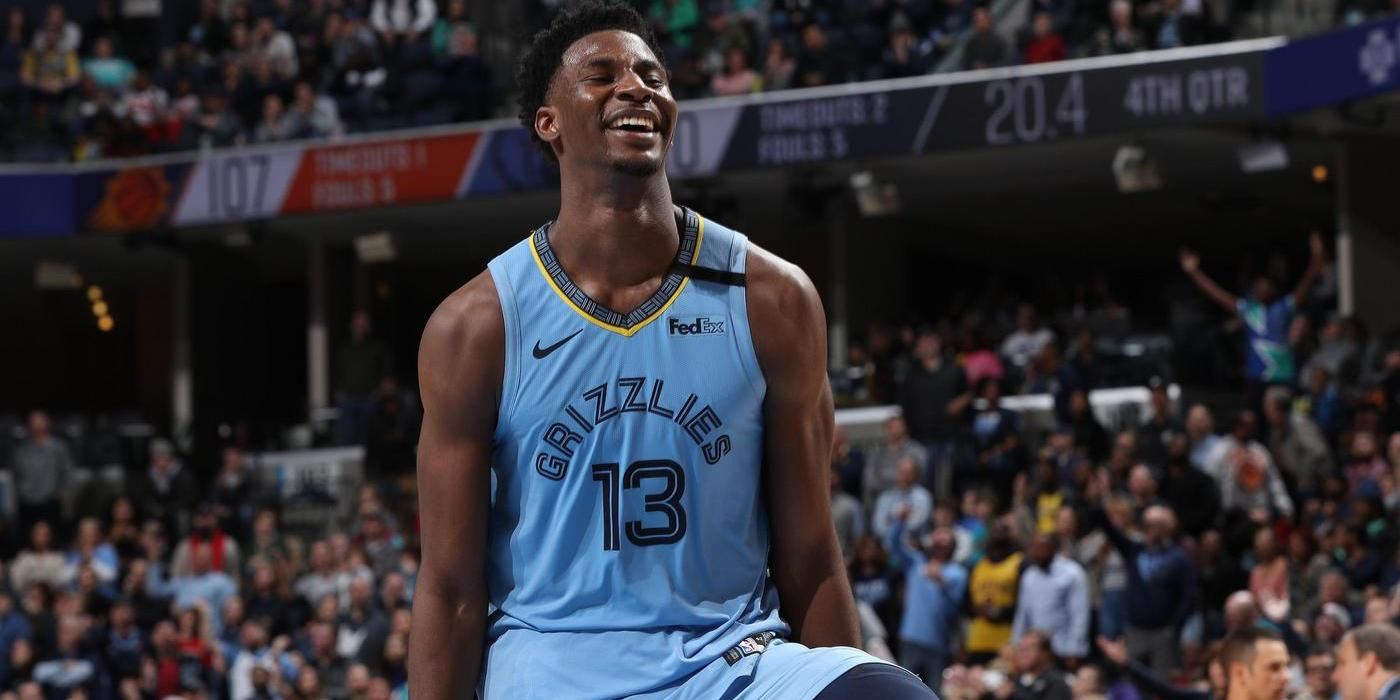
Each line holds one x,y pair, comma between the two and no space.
701,325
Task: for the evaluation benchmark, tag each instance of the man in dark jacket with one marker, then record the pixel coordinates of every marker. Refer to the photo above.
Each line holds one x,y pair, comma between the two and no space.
166,492
933,398
1161,587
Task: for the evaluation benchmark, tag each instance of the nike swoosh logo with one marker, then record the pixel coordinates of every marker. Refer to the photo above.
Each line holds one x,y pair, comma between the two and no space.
541,353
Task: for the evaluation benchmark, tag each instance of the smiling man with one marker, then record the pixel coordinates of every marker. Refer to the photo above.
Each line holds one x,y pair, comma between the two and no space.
649,392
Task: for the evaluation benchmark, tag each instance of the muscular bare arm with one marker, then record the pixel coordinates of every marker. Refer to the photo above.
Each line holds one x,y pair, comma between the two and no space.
459,372
789,331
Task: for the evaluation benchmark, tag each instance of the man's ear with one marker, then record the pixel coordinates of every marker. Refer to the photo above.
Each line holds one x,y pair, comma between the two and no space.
547,124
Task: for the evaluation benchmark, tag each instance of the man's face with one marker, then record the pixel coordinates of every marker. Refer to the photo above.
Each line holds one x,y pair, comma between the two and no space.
895,430
1042,551
1267,677
1318,673
1351,673
610,105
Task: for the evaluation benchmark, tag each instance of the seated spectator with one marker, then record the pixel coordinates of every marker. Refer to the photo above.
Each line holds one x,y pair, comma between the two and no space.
49,71
903,57
122,641
69,37
145,103
1037,678
276,124
1045,44
1030,336
1121,35
362,628
779,68
1158,427
985,49
90,550
1249,482
446,25
996,441
1170,27
1268,577
224,554
818,63
468,82
40,563
70,667
737,78
276,47
110,72
210,33
322,579
217,125
268,603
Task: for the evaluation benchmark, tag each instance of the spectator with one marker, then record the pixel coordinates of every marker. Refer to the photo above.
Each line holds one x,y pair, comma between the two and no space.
362,362
779,68
1200,431
1268,358
205,531
1268,577
1030,337
111,73
1157,430
1054,596
847,516
330,668
39,564
903,57
276,47
446,25
268,604
737,78
123,641
1318,667
991,593
210,33
1045,45
934,588
881,470
1036,675
362,628
874,582
675,21
1324,404
1192,494
234,493
203,586
392,434
907,503
995,440
68,36
1161,590
276,124
145,103
165,491
43,466
322,579
932,397
1170,26
217,125
1120,36
1249,482
817,62
71,668
1296,443
92,552
13,47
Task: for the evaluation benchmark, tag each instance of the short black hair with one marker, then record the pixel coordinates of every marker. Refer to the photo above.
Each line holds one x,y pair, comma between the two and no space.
541,59
1239,647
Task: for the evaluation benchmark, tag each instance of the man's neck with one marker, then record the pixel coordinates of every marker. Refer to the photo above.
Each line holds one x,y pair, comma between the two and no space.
1387,684
615,231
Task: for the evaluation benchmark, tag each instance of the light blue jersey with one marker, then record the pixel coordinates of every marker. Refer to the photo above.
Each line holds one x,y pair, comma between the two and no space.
628,543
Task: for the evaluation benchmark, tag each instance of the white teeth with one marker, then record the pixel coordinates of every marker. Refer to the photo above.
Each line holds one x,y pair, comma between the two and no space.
634,121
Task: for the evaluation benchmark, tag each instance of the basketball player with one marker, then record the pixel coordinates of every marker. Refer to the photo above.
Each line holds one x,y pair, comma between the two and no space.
627,424
1255,662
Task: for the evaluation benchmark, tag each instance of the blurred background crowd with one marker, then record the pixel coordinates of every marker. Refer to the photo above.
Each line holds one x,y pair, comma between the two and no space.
88,79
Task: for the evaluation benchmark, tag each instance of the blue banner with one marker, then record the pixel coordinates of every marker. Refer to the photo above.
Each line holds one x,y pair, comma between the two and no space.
1322,71
36,205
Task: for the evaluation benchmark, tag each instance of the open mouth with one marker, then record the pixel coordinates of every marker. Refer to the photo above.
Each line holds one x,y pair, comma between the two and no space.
634,124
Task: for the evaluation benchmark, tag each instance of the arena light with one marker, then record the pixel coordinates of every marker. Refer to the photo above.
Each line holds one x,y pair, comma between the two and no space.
1263,157
1135,170
376,248
56,275
105,324
1320,174
99,308
94,293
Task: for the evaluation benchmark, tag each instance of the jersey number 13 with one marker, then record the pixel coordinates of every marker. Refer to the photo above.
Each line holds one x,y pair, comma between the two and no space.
664,481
